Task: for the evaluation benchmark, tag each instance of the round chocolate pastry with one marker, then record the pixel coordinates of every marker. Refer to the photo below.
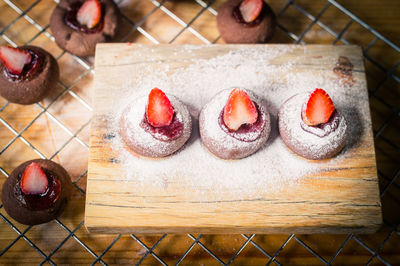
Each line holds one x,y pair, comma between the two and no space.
27,74
36,192
155,126
246,21
311,127
234,124
79,25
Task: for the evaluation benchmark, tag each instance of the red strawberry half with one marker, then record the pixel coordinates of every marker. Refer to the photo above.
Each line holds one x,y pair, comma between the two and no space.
159,111
318,109
89,14
250,9
239,110
34,180
14,59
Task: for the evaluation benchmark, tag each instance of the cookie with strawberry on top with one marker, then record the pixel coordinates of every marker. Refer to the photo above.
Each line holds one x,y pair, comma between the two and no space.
234,124
78,25
156,125
27,74
246,21
311,126
36,192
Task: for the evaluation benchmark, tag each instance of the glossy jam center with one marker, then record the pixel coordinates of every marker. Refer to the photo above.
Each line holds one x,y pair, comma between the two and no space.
30,70
71,21
246,132
166,133
239,18
42,201
324,129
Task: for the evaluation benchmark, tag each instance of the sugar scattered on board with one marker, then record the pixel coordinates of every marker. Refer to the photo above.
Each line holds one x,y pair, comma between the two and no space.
269,170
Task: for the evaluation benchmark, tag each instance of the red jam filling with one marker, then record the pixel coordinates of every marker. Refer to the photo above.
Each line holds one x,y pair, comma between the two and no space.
239,18
324,129
166,133
44,200
72,22
30,70
246,132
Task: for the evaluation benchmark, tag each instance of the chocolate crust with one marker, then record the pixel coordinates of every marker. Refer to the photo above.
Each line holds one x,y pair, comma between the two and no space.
21,213
234,32
81,43
33,90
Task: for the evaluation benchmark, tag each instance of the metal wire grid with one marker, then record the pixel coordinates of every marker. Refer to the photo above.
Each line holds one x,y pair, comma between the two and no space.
205,7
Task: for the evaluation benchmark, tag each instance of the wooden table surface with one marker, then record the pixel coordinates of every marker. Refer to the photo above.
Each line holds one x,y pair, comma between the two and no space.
58,128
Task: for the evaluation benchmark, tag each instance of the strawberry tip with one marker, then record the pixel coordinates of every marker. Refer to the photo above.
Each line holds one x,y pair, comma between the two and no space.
250,9
239,110
318,109
14,59
159,110
89,14
34,181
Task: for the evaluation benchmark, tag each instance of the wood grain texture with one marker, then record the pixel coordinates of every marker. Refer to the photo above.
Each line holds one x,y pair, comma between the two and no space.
341,198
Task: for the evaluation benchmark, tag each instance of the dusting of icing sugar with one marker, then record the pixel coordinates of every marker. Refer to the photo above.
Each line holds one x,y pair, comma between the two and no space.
274,167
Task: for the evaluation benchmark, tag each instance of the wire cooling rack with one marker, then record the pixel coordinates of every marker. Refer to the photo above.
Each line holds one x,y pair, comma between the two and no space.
383,79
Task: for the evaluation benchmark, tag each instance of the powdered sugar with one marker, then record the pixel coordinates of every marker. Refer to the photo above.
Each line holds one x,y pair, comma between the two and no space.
273,167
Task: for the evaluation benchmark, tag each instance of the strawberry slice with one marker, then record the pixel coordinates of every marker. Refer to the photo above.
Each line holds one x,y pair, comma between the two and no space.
34,180
89,14
159,110
239,110
14,59
318,109
250,9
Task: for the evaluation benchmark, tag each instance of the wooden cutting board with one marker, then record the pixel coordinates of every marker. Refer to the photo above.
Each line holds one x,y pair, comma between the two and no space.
192,191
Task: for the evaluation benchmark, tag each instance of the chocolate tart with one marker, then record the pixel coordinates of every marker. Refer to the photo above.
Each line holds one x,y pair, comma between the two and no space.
311,142
35,82
228,145
234,29
148,141
77,39
37,209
